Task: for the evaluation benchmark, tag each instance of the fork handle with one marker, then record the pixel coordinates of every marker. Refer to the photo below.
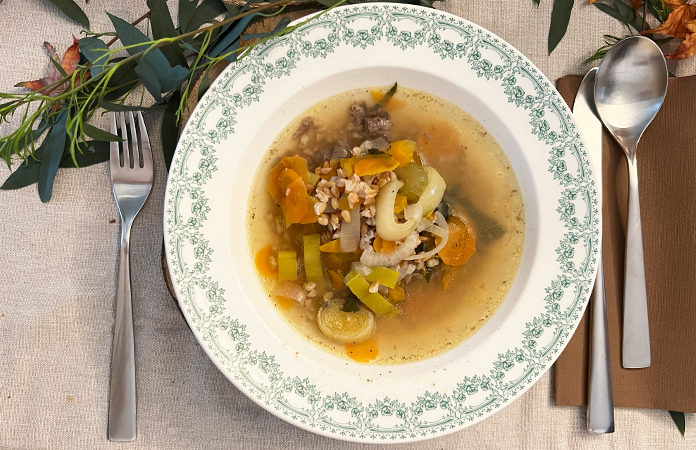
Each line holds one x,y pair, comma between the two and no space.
122,389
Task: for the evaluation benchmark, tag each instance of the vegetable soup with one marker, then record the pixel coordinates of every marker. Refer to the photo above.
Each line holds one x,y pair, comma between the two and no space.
386,225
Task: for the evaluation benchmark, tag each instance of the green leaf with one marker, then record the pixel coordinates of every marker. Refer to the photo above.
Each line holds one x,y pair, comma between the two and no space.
560,16
87,154
96,52
206,12
70,9
167,76
231,52
623,13
58,67
186,10
170,128
98,134
117,107
229,37
352,304
123,79
148,77
203,87
52,154
679,420
163,27
26,174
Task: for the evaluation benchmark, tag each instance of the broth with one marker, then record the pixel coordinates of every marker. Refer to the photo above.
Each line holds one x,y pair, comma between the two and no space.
481,187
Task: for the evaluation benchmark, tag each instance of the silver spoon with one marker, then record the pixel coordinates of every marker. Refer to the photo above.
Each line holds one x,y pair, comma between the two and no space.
630,87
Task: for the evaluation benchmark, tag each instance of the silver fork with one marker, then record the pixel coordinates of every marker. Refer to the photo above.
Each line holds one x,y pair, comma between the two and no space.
131,177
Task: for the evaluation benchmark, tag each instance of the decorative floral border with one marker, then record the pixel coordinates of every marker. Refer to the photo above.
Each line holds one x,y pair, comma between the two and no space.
339,414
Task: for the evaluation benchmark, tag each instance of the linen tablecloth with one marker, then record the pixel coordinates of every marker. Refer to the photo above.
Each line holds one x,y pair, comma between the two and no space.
58,281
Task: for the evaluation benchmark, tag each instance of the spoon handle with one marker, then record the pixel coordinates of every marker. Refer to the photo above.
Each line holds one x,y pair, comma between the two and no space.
636,334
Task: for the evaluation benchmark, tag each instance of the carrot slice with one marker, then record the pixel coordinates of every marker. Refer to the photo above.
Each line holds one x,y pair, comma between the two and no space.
331,247
296,203
296,164
402,151
461,244
363,352
392,104
263,261
375,165
382,246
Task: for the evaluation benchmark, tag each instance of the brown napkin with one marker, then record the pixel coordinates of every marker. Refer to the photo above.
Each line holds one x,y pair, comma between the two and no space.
667,179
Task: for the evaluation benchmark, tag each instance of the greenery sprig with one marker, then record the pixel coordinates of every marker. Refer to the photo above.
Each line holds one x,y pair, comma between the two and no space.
95,76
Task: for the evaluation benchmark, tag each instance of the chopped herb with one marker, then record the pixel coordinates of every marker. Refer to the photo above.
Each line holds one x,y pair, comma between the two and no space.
390,93
352,304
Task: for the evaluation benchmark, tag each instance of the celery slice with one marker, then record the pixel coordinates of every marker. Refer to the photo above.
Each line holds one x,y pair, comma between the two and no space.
287,265
313,178
379,305
386,276
312,260
415,180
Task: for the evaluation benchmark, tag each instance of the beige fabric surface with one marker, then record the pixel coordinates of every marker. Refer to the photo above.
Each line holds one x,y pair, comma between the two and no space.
57,289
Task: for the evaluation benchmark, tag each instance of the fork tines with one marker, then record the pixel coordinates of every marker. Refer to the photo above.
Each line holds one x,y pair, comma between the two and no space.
134,151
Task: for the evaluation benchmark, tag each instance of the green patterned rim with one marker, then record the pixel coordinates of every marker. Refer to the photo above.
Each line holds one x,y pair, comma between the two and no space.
206,242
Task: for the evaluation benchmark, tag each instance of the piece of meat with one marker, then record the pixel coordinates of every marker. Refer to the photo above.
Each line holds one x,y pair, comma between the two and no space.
377,125
304,127
357,113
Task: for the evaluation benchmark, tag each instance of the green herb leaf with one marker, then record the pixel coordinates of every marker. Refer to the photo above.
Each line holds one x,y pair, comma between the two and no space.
70,9
163,27
170,128
96,52
87,154
679,420
26,174
52,154
98,134
203,87
352,304
206,12
167,76
560,17
390,93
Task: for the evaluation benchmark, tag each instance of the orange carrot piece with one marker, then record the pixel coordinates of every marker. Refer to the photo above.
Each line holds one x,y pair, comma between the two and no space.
375,165
263,261
296,203
402,151
461,244
363,352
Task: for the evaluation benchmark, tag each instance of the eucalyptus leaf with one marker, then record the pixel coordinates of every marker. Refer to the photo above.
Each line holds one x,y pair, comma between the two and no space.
26,174
87,154
619,14
560,17
229,37
679,420
148,77
203,87
167,76
163,27
70,9
186,10
122,81
117,107
170,128
206,12
98,134
231,51
96,51
52,154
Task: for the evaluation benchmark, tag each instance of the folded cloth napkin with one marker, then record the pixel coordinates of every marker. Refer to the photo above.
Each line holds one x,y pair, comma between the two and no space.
667,182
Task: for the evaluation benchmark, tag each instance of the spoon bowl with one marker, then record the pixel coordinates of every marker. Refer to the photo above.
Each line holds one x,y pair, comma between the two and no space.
630,87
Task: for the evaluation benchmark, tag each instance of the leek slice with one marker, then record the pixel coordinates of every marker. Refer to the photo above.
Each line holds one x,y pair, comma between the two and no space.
415,180
312,260
387,228
342,326
287,265
376,302
386,276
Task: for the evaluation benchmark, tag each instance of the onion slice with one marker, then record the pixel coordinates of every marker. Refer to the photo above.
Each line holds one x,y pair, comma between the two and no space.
290,290
441,230
371,258
350,232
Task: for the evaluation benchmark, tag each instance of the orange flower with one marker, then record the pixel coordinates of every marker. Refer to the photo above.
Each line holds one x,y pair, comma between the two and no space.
68,64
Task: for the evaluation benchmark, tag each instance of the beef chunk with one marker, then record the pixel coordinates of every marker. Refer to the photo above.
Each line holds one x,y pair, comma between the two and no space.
376,125
304,127
357,113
